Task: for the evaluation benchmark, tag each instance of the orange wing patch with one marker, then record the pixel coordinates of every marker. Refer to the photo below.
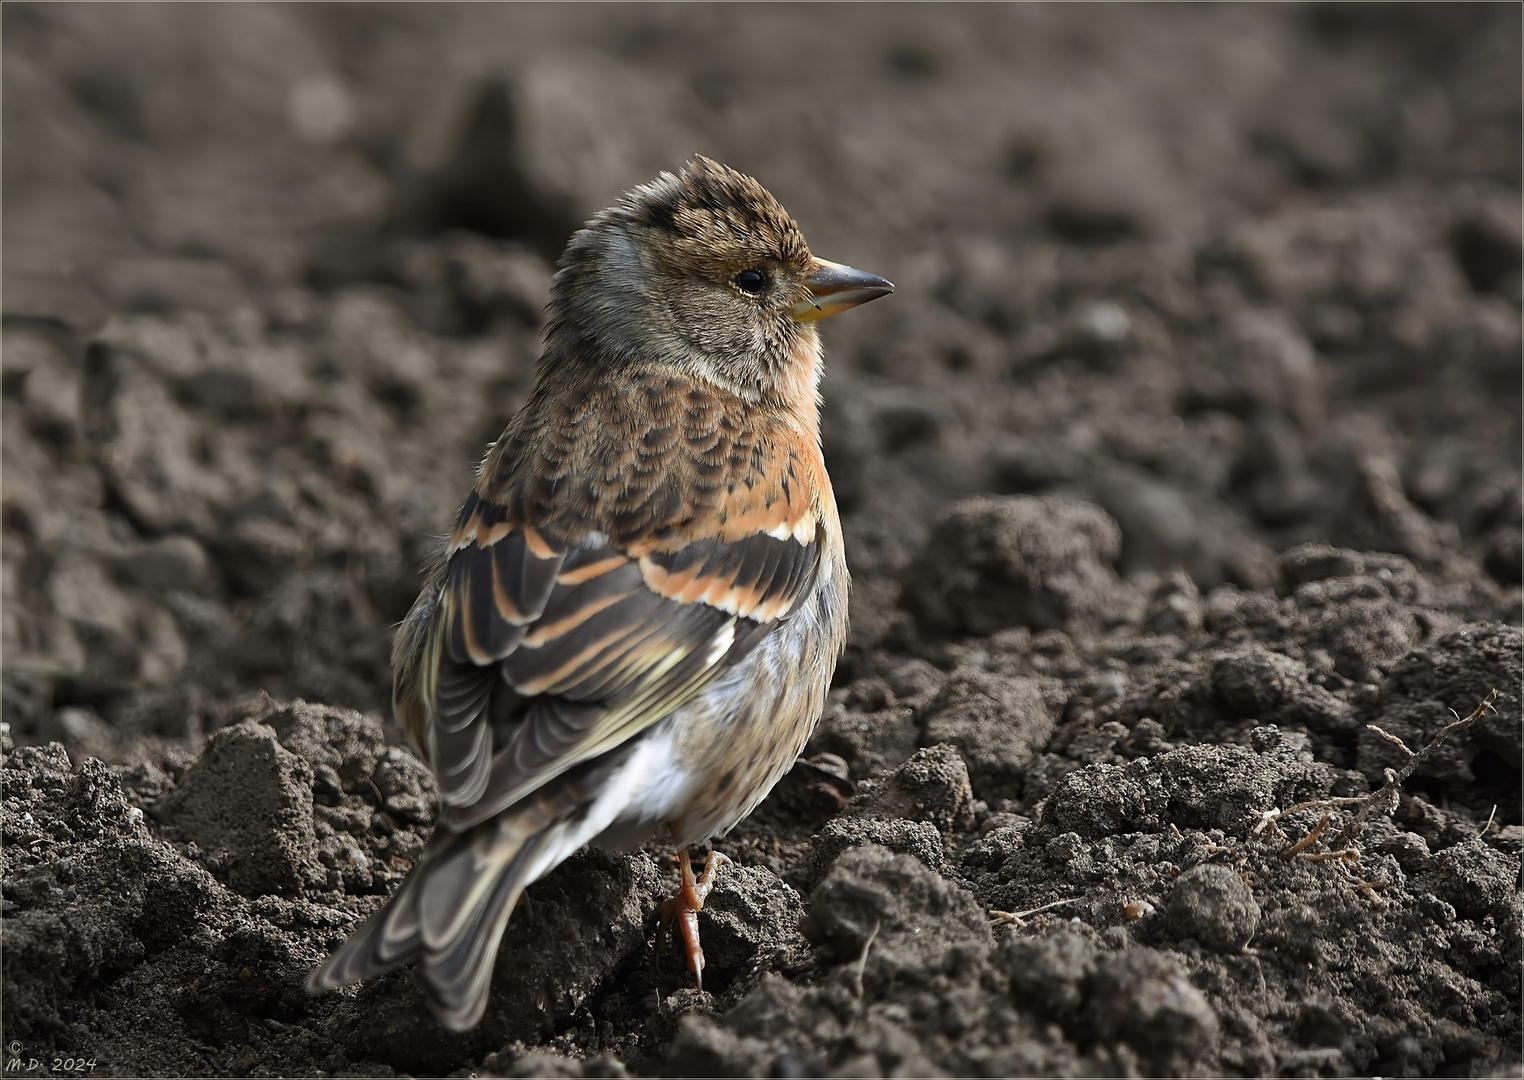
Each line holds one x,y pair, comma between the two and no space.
759,578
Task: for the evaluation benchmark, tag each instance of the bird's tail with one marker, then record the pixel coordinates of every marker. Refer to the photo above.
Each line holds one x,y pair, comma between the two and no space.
451,911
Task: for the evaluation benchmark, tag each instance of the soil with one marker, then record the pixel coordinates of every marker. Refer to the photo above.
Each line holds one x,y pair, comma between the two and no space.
1180,477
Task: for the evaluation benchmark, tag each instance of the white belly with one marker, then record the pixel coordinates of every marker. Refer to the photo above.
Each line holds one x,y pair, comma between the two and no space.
750,724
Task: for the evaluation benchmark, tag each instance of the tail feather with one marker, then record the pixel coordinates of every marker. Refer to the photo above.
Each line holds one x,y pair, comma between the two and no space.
450,915
458,978
452,891
451,911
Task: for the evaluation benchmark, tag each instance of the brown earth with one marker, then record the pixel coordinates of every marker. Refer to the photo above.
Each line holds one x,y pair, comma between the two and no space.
1187,450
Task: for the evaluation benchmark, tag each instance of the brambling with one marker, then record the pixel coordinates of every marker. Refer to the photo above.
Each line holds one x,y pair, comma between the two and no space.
637,617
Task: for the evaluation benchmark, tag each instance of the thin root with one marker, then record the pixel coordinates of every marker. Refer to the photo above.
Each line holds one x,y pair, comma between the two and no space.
1369,889
862,961
1305,842
1016,918
1268,821
1389,737
1348,854
1395,781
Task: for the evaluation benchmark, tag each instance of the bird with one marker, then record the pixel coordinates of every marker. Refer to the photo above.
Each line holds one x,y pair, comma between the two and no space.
635,622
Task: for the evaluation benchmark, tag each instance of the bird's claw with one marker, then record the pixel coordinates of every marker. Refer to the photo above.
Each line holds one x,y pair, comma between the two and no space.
685,906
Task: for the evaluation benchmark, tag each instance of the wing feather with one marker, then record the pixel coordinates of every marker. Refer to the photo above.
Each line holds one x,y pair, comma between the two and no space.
460,738
563,626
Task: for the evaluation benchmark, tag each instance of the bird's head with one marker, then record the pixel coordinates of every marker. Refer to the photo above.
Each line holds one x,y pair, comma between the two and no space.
706,271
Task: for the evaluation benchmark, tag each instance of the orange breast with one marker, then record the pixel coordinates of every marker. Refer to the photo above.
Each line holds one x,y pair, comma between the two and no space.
656,463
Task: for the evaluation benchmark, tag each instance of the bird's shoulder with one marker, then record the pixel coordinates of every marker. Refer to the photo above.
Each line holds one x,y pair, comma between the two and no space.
653,460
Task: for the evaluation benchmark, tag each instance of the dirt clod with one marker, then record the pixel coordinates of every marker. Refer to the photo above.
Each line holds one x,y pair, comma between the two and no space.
995,563
1214,905
248,805
996,723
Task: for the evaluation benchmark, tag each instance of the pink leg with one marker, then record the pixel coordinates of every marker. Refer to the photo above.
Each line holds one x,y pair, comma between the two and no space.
685,906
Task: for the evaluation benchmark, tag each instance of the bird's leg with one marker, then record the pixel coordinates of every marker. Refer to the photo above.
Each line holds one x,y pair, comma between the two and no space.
685,906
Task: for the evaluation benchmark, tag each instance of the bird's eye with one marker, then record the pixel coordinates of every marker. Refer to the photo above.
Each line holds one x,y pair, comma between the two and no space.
751,281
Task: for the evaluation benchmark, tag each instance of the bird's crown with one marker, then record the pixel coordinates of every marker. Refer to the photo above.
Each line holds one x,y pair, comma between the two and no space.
709,207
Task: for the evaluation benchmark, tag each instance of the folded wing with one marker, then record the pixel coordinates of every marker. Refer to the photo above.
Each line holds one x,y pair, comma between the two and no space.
546,649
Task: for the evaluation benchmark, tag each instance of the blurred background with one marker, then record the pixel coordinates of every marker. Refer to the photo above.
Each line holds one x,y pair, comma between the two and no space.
1244,276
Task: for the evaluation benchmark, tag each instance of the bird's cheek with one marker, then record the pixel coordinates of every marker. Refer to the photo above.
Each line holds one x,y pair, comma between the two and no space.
725,342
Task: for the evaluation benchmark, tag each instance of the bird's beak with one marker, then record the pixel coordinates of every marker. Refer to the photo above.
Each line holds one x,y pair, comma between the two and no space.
834,288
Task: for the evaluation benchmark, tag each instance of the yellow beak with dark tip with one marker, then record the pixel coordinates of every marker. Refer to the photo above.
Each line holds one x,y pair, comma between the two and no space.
834,288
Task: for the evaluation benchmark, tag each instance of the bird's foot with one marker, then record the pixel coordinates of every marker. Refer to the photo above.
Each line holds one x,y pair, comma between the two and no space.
685,906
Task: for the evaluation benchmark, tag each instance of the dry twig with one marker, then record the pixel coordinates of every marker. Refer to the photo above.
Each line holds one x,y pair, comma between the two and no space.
1414,761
